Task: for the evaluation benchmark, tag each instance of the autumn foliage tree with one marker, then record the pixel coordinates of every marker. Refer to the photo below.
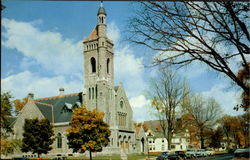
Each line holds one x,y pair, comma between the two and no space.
88,131
19,104
37,136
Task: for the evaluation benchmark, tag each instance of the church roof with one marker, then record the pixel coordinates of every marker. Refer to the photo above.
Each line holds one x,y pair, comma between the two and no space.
56,108
93,34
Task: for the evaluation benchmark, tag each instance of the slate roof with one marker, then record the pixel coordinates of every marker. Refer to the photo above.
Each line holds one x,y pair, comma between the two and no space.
55,108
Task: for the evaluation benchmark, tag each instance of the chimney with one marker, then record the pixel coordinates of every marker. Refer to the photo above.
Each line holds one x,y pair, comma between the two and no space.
61,90
30,96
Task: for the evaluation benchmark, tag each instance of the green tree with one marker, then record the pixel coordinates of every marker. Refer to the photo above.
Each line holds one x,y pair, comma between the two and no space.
6,108
88,131
37,136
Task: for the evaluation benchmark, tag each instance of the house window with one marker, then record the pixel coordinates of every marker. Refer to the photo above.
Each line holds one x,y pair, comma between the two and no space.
162,147
59,140
163,141
93,93
93,65
172,146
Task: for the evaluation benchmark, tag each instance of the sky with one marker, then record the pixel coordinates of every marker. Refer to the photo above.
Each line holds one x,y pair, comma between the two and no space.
42,51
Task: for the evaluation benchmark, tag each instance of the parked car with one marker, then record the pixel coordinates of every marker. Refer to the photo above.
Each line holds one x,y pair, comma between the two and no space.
168,156
191,153
231,150
201,153
181,154
19,158
242,154
210,152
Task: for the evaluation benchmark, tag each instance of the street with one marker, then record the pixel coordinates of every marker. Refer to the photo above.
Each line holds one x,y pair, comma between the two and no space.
217,157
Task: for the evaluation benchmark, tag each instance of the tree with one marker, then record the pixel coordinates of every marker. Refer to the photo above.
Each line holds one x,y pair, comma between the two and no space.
37,136
88,131
167,92
216,137
244,120
244,76
213,33
6,108
228,124
19,104
203,114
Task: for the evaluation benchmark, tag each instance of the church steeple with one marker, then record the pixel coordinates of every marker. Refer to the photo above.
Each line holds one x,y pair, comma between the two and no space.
101,10
101,14
98,64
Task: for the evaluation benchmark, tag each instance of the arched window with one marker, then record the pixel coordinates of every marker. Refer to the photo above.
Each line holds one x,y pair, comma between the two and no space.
108,65
59,140
96,92
93,64
89,93
121,104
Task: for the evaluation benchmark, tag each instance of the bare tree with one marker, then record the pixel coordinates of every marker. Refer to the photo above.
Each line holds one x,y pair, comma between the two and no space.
214,33
167,94
203,113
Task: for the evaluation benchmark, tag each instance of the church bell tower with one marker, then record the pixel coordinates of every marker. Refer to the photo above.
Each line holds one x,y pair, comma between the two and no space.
98,65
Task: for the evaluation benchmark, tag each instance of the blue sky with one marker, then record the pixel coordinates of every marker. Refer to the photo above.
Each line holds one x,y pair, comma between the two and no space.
42,51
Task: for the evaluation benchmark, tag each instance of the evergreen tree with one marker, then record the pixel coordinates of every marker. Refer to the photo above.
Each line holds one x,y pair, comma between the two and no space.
37,136
88,131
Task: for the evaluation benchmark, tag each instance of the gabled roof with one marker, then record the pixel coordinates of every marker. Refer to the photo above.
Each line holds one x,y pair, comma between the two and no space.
53,108
116,88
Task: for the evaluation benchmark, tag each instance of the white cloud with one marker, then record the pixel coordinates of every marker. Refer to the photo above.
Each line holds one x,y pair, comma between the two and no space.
26,82
226,98
139,101
50,49
113,32
128,68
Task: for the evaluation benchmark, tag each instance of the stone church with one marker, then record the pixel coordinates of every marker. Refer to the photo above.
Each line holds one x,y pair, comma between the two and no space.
99,93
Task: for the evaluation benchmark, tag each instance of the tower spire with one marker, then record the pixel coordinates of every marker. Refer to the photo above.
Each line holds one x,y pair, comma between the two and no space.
101,9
